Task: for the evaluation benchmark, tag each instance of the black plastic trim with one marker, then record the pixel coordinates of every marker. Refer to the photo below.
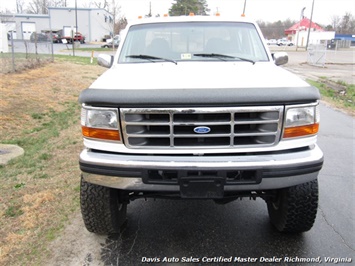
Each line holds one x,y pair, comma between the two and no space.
199,97
275,172
292,171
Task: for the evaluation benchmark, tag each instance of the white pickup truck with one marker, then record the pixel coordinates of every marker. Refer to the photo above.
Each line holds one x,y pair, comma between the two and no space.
196,107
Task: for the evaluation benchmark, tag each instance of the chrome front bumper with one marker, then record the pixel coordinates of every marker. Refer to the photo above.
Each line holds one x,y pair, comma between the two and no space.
277,170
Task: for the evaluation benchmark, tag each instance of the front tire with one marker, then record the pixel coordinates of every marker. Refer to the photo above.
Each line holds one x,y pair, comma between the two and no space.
294,209
100,208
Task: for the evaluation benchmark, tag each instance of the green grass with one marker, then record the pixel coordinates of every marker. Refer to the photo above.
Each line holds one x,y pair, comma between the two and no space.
22,174
80,60
339,93
13,211
35,141
98,49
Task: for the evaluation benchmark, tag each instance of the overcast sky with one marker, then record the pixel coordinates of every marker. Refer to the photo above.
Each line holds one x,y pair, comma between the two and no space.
266,10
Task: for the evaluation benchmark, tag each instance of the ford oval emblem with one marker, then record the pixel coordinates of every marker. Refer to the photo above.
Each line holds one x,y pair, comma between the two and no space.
202,130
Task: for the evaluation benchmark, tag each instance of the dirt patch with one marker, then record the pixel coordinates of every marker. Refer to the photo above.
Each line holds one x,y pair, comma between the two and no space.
39,190
336,86
71,250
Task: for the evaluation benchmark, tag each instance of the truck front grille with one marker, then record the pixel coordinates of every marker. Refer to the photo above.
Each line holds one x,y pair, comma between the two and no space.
175,128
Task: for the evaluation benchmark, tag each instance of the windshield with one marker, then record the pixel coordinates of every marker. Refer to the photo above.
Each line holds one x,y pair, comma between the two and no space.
193,41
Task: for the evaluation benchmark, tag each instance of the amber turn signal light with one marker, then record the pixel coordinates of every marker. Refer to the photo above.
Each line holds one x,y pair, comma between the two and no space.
301,131
99,133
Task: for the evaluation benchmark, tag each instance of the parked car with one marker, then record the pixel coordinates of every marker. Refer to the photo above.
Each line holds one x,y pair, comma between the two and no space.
271,42
109,43
66,34
116,38
38,37
331,44
55,37
281,42
78,37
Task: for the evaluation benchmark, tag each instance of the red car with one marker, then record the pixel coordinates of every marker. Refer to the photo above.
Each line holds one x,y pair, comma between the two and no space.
79,37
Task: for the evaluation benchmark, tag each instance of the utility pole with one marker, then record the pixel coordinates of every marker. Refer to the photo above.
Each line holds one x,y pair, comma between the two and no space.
76,27
150,9
310,25
76,16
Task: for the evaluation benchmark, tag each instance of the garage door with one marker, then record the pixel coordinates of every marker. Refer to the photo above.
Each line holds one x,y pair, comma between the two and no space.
27,29
11,29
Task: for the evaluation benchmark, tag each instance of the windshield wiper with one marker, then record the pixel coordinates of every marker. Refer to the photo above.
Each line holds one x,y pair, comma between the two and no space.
151,58
221,56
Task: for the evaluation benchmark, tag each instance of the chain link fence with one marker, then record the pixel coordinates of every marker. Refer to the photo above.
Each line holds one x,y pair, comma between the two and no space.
316,54
24,54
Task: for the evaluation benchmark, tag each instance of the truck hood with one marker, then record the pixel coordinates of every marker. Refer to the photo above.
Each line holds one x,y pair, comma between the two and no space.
197,84
197,75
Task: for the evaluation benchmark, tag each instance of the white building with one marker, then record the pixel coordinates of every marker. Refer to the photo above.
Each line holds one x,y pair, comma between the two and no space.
315,37
4,47
93,23
21,26
298,33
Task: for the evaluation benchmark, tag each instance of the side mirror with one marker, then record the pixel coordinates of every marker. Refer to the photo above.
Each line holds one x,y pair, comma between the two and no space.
105,60
280,58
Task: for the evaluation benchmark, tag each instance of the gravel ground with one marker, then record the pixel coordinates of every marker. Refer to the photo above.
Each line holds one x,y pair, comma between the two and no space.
339,65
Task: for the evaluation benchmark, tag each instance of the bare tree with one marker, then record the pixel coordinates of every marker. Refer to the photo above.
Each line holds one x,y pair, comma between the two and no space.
101,4
41,6
121,24
20,6
335,21
344,24
114,9
347,23
38,7
275,30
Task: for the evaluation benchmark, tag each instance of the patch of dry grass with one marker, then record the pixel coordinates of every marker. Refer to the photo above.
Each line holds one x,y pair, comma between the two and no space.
39,191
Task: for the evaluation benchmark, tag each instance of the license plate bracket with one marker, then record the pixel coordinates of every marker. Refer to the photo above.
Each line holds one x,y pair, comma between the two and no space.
202,187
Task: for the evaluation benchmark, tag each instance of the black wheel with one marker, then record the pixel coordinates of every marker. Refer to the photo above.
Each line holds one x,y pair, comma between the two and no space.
100,208
294,209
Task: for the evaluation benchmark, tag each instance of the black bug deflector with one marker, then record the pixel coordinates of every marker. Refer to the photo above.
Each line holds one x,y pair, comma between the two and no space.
199,97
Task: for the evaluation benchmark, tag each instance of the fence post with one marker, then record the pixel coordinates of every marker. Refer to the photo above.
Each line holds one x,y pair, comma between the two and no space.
13,52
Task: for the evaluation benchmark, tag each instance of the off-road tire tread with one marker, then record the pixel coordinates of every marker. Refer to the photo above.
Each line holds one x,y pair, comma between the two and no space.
297,209
100,208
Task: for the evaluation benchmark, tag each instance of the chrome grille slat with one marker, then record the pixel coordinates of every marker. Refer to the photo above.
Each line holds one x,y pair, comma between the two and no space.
202,136
173,128
201,123
255,122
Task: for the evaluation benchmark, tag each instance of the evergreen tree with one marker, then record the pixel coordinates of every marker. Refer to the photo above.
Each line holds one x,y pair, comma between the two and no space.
185,7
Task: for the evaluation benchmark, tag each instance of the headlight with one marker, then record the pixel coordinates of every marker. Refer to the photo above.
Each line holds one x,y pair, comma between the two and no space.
301,121
100,123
